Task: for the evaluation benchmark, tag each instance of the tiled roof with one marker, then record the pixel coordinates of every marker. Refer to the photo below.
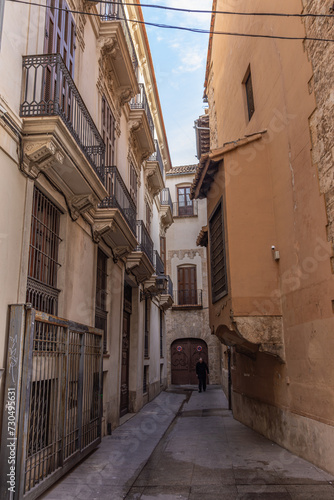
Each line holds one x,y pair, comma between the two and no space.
183,169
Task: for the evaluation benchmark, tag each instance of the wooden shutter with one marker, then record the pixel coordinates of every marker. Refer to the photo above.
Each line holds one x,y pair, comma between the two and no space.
108,133
187,285
163,250
217,254
60,32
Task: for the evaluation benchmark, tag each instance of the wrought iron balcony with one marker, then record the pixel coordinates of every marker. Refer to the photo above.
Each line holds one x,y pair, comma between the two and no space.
114,11
49,90
119,197
145,243
189,209
156,156
140,102
158,264
188,298
165,198
170,287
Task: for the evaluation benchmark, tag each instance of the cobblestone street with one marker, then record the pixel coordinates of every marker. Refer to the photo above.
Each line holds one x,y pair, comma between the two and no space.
186,445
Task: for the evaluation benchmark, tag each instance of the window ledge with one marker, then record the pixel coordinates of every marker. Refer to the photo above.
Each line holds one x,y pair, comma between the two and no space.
188,306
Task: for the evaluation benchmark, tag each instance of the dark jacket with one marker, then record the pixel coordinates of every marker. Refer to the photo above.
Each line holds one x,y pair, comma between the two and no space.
201,369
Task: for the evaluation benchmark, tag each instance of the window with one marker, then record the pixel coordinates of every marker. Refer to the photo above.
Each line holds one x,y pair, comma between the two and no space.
60,32
217,254
147,327
163,250
133,183
185,204
101,296
43,263
161,334
108,133
145,379
249,93
148,217
186,285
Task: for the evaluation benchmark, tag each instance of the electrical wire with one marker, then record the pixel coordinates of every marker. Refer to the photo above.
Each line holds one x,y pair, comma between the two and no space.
197,11
182,28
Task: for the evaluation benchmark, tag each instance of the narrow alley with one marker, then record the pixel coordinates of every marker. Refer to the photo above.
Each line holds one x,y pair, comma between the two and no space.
186,445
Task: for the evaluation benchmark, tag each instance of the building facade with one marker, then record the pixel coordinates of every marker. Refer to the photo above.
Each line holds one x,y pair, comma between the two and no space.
188,335
269,236
84,155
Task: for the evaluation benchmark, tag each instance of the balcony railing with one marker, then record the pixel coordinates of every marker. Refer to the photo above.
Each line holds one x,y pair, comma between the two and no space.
158,264
185,210
140,102
170,286
188,298
145,243
165,198
48,90
156,156
119,197
114,11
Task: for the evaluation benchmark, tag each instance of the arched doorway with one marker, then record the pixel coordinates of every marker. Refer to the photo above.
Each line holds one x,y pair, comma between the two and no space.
184,355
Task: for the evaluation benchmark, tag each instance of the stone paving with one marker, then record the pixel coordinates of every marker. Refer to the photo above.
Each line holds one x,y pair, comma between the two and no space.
187,446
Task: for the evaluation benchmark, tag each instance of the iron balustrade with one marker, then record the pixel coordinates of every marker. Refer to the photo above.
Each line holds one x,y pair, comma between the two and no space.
165,198
158,264
145,243
119,196
49,90
156,156
170,290
189,297
114,11
189,210
140,102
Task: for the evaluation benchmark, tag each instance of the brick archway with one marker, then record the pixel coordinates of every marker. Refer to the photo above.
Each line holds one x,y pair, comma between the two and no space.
184,355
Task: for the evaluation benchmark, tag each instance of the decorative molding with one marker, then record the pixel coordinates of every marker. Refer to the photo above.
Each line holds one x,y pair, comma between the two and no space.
101,228
81,203
40,156
191,253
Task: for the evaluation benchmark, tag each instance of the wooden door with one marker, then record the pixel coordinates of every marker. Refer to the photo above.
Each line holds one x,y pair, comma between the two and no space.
124,408
187,285
185,353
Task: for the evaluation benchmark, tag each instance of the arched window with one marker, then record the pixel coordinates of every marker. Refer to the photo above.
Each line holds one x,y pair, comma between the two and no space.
184,203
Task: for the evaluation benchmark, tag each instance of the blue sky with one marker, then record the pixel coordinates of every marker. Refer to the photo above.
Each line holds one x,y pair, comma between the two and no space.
179,59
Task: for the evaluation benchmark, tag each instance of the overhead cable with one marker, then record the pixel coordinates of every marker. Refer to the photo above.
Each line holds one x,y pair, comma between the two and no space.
182,28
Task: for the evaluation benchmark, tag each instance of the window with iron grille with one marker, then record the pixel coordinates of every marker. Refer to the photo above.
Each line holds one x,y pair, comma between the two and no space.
108,133
147,327
101,296
217,254
185,204
249,93
43,263
163,251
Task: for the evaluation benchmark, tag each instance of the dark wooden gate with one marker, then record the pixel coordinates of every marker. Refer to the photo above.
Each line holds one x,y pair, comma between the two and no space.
125,365
185,354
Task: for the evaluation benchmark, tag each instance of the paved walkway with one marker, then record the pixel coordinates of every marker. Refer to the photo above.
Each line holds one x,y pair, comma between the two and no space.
187,446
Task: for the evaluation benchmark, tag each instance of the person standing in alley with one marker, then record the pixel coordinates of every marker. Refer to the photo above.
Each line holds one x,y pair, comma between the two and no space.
201,371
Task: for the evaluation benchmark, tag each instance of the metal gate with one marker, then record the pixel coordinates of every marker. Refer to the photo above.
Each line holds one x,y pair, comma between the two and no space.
53,394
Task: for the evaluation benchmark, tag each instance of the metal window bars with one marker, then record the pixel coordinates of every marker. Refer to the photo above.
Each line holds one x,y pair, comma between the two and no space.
158,264
119,196
114,11
54,366
140,102
185,210
188,297
49,90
